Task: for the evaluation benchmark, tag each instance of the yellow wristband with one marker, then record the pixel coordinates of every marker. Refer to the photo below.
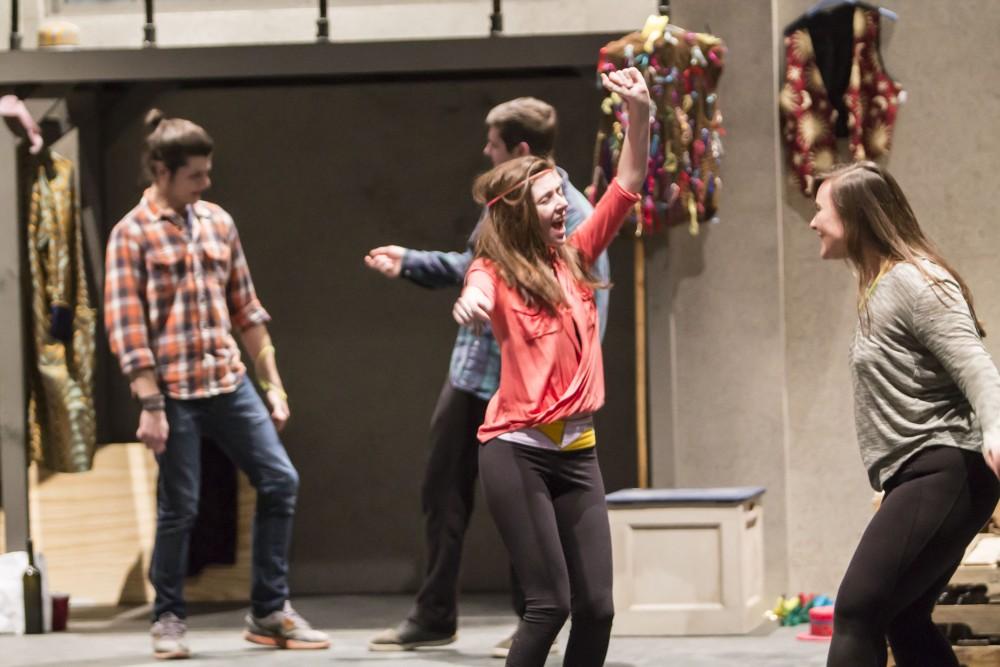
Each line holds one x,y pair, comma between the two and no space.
263,350
269,386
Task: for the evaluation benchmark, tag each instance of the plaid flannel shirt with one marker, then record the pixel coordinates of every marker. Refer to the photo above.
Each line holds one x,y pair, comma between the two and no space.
174,288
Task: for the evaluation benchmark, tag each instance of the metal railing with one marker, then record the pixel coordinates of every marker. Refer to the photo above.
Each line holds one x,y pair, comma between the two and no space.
149,26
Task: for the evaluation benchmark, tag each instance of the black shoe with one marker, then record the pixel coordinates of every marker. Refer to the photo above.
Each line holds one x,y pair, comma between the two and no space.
407,636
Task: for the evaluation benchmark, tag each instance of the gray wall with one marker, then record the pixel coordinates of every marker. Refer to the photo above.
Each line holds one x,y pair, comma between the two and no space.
716,330
315,175
945,158
13,400
749,330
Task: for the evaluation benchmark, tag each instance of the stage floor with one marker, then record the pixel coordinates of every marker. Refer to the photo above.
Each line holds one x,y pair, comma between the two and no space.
116,638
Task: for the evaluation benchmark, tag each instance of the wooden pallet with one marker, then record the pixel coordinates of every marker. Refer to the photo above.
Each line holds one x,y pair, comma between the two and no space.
983,619
970,656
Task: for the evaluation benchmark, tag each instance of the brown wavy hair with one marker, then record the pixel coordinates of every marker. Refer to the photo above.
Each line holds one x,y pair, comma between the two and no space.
877,215
172,141
511,235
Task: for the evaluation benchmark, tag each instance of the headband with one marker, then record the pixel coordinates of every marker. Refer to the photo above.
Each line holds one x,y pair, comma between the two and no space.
527,180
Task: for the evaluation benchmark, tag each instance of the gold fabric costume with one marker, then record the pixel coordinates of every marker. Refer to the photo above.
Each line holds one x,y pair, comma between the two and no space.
61,419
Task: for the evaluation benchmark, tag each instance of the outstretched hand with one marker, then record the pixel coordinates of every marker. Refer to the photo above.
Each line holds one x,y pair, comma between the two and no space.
629,84
387,260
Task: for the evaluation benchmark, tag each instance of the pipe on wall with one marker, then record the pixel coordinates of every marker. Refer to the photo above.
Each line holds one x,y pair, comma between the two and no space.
149,28
15,35
322,24
496,19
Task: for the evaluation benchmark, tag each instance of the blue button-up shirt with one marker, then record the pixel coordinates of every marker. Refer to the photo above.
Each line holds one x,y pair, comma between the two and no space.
475,359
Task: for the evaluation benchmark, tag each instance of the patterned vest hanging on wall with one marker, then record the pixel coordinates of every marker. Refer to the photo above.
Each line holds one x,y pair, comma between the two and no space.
835,86
61,417
682,70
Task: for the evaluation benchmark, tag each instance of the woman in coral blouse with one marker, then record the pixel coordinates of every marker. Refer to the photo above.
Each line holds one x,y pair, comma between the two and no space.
538,462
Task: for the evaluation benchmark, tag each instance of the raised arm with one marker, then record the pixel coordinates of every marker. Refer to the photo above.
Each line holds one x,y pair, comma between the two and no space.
630,85
596,234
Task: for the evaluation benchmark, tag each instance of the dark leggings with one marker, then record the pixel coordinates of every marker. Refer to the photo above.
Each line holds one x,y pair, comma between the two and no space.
550,510
932,509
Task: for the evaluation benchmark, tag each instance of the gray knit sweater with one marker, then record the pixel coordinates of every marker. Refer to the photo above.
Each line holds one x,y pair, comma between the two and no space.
922,376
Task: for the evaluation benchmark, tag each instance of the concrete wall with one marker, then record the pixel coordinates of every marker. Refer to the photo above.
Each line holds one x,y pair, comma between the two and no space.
749,331
13,401
945,158
717,371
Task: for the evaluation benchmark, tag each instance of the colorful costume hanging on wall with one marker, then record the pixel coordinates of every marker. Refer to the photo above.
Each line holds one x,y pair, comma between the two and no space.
835,86
61,371
682,70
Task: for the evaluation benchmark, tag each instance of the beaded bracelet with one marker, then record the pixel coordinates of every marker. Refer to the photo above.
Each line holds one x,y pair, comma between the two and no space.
153,403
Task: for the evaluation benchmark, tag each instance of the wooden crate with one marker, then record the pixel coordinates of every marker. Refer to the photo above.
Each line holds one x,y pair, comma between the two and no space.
96,530
687,561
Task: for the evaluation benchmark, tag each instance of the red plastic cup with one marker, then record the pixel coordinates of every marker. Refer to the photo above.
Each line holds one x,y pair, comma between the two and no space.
60,611
820,625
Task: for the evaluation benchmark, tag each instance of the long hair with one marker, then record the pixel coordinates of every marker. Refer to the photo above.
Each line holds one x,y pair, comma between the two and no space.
172,141
877,216
511,235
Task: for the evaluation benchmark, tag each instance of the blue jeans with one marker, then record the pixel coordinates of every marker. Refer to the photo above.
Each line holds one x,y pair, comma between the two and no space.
242,427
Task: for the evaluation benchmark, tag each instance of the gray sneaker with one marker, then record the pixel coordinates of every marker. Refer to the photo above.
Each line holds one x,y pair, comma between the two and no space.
169,640
284,629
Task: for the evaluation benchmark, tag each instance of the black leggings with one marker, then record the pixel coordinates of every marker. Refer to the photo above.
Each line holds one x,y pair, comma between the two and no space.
932,509
550,510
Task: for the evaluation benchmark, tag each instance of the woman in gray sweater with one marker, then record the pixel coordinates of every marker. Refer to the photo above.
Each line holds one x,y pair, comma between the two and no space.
927,410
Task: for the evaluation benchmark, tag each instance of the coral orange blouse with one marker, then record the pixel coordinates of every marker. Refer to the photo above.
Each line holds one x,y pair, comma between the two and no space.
550,365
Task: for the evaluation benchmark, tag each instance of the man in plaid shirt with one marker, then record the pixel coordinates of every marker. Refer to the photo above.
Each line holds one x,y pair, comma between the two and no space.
176,283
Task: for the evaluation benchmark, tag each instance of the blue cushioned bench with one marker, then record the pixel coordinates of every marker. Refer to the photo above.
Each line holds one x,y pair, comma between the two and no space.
735,495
